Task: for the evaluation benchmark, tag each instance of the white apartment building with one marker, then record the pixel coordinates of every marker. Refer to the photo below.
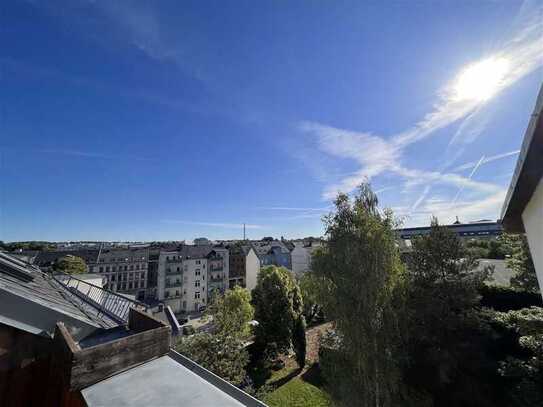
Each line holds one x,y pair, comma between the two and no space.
187,277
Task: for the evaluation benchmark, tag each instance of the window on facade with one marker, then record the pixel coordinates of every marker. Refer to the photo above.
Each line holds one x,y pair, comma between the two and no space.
198,262
197,283
137,284
197,272
107,269
113,277
137,266
178,269
196,295
101,269
131,267
130,285
184,305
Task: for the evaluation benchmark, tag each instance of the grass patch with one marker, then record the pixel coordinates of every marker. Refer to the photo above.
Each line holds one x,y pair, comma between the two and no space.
298,393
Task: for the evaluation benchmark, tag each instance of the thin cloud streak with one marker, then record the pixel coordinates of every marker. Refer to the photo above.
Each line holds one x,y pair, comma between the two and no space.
215,225
89,154
486,160
286,208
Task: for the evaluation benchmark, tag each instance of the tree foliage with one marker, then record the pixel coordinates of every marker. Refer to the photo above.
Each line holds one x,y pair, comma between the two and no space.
223,355
278,305
361,285
524,370
223,352
445,332
309,288
521,263
299,342
232,312
71,265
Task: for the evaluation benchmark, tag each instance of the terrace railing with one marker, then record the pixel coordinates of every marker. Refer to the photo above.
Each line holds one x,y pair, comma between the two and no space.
106,302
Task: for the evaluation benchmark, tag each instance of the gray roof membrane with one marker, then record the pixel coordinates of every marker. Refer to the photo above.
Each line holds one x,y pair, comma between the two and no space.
163,382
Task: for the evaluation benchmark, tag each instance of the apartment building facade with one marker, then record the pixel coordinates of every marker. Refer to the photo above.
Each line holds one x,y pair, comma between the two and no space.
187,277
244,266
124,270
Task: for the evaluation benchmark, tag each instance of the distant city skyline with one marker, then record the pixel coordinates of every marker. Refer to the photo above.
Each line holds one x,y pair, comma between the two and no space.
144,121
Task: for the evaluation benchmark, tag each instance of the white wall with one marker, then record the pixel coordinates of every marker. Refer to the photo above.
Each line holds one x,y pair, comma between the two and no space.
300,259
532,217
252,268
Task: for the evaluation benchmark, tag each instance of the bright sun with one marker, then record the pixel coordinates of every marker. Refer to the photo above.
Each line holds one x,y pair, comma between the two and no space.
481,80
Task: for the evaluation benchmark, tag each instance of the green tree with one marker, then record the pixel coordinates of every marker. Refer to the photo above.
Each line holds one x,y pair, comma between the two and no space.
223,355
445,332
223,352
521,263
309,288
299,342
278,305
71,265
232,312
524,369
361,279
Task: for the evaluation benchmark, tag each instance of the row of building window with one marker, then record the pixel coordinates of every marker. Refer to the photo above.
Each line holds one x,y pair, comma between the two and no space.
119,259
108,269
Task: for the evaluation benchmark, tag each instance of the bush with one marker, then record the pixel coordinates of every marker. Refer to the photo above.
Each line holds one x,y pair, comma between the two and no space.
506,298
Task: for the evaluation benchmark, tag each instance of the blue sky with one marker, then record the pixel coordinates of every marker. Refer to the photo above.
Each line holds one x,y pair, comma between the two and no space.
172,120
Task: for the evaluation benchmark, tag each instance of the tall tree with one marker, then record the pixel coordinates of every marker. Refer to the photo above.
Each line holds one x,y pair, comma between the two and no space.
71,265
278,305
445,332
521,263
361,284
309,288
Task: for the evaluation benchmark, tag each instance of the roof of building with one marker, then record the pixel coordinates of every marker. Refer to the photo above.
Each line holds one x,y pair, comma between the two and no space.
528,171
170,380
46,258
263,248
34,302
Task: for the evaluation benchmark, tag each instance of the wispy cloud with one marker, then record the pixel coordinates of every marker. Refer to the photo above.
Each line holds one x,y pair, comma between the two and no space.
90,154
215,225
518,56
288,208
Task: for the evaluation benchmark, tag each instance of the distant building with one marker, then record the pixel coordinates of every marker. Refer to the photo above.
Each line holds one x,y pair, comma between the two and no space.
523,208
188,276
272,252
202,241
244,266
301,255
481,229
124,270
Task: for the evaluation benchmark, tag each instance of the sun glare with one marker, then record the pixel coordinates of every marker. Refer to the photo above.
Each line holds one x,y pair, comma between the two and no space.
481,80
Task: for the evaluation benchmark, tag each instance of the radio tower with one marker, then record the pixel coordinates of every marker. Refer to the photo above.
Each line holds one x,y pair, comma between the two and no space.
244,231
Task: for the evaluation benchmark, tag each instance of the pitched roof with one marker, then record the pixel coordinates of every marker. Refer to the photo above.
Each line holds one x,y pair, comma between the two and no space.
34,302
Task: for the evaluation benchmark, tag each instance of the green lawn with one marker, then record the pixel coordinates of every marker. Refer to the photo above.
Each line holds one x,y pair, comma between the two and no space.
298,393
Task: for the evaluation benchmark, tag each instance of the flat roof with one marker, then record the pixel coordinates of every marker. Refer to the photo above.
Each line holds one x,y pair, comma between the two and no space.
528,171
166,381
